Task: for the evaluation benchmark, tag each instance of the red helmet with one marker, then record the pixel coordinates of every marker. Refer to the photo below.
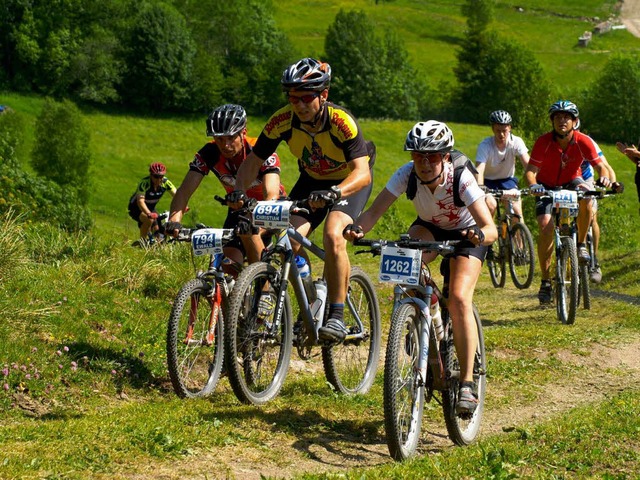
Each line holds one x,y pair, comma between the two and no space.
157,169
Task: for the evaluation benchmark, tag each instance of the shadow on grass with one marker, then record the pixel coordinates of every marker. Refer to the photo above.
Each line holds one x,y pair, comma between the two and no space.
126,368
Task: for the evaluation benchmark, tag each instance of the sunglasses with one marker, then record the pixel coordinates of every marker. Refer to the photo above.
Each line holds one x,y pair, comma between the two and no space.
304,98
157,176
432,157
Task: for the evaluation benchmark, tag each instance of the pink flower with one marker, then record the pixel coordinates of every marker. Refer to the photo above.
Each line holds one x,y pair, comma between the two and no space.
5,371
74,364
113,372
34,349
65,348
60,366
6,386
58,353
28,376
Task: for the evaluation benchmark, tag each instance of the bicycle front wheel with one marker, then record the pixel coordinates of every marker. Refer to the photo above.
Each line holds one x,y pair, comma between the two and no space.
463,429
194,339
257,347
496,261
567,281
351,366
403,389
522,259
585,288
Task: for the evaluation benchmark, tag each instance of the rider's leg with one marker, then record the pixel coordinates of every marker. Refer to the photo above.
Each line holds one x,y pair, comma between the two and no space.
545,245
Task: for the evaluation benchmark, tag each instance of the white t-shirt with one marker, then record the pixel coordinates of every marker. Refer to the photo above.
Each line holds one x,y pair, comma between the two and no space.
438,207
500,164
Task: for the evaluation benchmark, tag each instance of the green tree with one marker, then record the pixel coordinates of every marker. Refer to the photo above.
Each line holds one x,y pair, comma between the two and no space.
160,59
611,107
372,75
61,151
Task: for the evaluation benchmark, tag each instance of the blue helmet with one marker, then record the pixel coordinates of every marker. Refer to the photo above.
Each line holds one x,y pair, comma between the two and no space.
564,106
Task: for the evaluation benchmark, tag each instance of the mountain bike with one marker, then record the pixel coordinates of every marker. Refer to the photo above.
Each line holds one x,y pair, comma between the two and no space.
571,278
514,246
258,347
196,324
421,362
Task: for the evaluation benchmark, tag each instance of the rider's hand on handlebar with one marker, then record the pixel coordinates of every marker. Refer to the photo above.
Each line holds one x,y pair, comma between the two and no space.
352,232
236,199
617,187
322,198
603,182
172,228
474,234
537,189
153,215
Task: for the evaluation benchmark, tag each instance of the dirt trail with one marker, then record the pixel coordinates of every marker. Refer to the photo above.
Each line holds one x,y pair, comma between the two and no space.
606,371
630,16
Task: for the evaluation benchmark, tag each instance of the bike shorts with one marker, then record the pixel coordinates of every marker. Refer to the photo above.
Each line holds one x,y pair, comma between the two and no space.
543,205
351,205
501,183
134,212
465,248
637,180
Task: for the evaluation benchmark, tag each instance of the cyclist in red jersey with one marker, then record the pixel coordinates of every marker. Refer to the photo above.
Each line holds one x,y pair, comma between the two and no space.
223,156
555,163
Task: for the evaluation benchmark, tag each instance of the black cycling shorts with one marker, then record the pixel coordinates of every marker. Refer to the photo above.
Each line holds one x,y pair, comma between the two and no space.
465,248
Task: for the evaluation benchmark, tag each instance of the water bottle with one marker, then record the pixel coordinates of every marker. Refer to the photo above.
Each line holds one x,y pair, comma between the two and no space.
318,306
305,274
436,317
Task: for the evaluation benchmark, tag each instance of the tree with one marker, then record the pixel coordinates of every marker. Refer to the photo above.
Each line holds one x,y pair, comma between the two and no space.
372,75
61,151
611,107
160,59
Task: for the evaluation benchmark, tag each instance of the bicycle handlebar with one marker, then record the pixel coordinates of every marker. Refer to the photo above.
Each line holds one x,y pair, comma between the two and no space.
447,246
601,193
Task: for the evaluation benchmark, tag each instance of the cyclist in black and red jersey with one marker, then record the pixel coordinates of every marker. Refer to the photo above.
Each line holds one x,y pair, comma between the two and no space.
142,204
335,164
223,156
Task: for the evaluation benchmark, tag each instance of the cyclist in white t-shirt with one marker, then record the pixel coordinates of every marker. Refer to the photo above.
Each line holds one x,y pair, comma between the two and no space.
496,160
428,180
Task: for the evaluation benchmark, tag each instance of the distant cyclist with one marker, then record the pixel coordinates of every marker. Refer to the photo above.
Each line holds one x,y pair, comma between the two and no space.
142,204
335,164
429,181
496,160
227,124
555,162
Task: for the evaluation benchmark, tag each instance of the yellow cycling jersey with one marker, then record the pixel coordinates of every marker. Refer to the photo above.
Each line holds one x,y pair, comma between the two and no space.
323,155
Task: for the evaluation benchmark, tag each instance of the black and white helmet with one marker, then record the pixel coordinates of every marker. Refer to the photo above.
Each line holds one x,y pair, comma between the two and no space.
564,106
226,120
501,117
307,74
430,136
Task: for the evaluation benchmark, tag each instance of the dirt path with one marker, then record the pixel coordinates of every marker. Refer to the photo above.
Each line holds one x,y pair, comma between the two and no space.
630,16
593,382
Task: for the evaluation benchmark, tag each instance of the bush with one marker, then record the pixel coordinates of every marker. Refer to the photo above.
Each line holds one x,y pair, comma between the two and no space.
611,107
61,152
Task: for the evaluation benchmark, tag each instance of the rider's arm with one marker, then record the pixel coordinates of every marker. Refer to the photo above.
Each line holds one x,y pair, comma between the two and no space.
524,160
358,178
530,174
611,173
180,200
271,186
480,168
248,171
380,205
143,205
482,216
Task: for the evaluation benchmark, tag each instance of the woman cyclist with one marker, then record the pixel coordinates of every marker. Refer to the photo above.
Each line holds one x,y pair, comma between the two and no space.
428,180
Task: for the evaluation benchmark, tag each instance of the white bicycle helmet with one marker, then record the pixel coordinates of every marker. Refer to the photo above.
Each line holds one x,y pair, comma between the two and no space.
501,117
430,136
226,120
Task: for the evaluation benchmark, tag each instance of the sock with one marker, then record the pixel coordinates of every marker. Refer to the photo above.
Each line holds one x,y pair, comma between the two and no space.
336,310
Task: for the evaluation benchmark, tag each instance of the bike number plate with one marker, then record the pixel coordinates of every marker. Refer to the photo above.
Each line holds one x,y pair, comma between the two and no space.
272,214
566,199
207,241
400,265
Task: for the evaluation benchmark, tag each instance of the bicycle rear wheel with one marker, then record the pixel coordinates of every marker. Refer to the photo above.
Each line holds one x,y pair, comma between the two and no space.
522,259
585,288
351,366
257,350
194,339
403,390
463,430
567,281
497,263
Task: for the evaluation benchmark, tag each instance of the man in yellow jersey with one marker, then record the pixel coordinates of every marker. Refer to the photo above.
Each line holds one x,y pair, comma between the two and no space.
335,164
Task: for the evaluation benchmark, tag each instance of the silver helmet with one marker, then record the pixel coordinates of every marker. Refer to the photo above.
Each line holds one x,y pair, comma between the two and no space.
307,74
430,136
226,120
501,117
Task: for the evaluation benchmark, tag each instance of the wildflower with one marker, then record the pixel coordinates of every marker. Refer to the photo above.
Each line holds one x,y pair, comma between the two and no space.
5,372
113,372
74,364
6,386
58,353
28,376
34,349
65,348
23,368
60,366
